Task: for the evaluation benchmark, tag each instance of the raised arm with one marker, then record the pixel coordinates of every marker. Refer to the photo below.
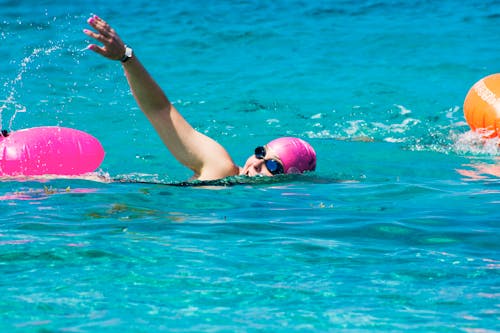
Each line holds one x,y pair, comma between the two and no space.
207,158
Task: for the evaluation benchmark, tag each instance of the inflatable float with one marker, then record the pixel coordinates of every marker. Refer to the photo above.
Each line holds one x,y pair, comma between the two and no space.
482,106
49,150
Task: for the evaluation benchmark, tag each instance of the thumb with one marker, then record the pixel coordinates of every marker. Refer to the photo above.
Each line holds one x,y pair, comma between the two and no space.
97,49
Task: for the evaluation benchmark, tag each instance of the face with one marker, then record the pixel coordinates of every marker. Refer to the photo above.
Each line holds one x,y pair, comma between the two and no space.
262,163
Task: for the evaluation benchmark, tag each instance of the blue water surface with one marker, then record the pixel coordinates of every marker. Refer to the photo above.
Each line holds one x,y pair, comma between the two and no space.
396,231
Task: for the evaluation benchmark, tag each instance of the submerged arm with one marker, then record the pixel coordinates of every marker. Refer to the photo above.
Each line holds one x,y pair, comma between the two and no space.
207,158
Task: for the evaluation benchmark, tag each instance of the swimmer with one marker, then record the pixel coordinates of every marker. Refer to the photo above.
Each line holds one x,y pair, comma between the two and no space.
203,155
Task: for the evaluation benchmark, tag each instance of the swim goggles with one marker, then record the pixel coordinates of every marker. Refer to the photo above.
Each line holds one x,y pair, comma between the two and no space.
275,167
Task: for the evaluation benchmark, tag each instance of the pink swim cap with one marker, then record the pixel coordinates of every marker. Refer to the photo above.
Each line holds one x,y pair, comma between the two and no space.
296,155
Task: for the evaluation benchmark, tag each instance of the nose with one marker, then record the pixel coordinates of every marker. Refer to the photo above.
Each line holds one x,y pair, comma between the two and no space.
258,165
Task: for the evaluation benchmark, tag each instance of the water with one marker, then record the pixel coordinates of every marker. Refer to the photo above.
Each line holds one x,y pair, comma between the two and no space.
397,230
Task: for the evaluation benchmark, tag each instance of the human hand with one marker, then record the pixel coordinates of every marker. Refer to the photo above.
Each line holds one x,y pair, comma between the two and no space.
113,47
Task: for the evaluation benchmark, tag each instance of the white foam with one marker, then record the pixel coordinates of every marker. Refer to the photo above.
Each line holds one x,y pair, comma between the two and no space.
473,143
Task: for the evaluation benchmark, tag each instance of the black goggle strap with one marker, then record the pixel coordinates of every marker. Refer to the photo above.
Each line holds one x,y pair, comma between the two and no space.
260,152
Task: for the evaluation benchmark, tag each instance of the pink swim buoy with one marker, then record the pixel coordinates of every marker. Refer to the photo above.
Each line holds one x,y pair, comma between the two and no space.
49,150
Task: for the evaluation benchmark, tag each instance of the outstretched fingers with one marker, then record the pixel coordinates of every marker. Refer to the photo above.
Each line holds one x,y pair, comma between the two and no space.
100,25
113,47
97,49
94,47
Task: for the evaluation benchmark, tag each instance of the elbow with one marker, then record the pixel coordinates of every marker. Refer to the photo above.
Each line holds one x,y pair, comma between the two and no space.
159,105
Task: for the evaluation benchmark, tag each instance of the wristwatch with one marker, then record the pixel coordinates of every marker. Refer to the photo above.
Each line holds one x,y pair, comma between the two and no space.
127,55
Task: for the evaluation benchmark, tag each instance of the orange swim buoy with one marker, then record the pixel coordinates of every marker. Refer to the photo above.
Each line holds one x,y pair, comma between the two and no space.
482,106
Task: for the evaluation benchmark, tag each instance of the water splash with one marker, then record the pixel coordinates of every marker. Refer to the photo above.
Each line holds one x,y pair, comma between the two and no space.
398,128
10,101
444,132
473,143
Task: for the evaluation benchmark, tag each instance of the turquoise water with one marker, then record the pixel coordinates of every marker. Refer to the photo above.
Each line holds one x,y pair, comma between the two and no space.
397,230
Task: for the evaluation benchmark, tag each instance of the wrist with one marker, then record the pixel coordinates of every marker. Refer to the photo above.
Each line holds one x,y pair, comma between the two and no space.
127,55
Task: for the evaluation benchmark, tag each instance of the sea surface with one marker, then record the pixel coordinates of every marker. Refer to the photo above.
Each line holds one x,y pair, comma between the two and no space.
396,231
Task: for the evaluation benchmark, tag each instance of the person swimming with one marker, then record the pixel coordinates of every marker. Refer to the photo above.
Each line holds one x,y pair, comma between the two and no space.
206,157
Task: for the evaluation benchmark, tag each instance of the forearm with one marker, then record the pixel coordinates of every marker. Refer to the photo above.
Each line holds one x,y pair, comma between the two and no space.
148,94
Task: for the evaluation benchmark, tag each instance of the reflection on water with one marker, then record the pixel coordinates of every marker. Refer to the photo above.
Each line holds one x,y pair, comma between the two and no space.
481,170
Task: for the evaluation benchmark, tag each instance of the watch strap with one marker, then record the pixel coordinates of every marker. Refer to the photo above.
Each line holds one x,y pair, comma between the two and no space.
127,55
